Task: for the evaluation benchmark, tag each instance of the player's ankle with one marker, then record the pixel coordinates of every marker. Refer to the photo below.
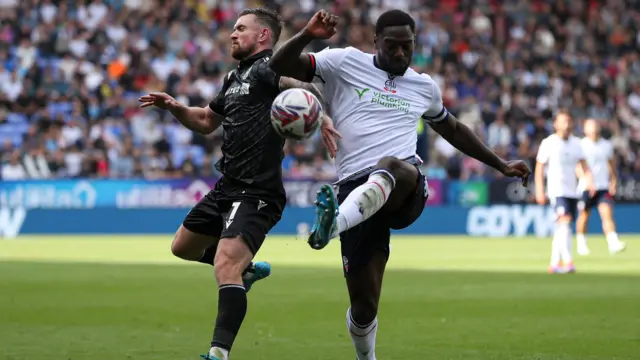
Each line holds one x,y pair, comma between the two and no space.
219,352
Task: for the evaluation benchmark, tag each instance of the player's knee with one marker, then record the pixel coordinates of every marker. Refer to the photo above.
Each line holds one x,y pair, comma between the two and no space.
364,309
405,174
389,163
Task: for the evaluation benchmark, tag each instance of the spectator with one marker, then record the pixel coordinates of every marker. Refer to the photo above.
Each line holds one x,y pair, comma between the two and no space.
13,169
70,73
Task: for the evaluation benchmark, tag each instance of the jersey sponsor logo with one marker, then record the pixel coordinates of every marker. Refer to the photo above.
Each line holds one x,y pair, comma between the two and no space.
243,89
386,100
361,92
11,221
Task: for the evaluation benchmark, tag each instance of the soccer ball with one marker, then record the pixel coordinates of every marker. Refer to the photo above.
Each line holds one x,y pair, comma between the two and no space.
296,114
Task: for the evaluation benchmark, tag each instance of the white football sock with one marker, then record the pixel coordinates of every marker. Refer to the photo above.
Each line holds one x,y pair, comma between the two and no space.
581,240
363,337
612,239
565,238
365,200
555,250
219,353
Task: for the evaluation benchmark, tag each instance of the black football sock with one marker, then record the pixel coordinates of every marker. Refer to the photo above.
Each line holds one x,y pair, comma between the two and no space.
232,307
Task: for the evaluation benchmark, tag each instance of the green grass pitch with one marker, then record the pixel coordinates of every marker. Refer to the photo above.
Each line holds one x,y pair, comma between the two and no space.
444,298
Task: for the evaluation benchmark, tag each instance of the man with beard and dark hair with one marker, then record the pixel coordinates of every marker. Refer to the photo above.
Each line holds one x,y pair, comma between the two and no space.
228,226
377,101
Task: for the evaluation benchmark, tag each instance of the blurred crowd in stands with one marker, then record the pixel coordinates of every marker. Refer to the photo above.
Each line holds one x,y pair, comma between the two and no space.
71,71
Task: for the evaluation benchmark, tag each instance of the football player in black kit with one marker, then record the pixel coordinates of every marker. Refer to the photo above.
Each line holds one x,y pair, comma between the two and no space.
228,226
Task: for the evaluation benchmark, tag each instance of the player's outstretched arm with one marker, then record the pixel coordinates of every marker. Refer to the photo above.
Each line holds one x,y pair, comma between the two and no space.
289,60
463,139
201,120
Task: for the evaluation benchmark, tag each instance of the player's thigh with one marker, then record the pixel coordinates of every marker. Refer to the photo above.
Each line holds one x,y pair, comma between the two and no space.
359,243
412,207
405,175
605,209
250,220
187,244
201,227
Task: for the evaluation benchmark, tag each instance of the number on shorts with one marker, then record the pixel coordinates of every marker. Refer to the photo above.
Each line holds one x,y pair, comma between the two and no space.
232,213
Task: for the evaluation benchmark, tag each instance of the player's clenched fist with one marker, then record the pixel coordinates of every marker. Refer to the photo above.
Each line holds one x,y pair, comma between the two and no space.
159,100
322,25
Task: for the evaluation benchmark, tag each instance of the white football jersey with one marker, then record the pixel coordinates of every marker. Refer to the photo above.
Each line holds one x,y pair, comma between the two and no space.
376,113
597,153
561,158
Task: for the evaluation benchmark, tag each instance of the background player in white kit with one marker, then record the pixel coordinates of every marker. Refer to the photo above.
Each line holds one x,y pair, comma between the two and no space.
599,156
376,102
561,153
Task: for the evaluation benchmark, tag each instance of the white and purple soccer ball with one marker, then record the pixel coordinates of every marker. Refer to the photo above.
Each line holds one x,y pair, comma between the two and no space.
296,114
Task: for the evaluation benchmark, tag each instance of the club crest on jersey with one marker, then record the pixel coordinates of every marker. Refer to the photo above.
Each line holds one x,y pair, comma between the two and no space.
390,86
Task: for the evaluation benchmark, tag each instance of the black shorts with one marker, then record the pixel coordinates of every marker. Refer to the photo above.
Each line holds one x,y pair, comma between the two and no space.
361,242
233,209
600,197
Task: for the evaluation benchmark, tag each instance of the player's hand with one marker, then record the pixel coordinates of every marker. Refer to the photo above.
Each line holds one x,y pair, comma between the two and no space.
541,199
330,136
322,25
519,169
613,188
159,100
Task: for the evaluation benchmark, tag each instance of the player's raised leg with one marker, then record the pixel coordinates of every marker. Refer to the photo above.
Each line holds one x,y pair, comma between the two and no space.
581,225
388,185
609,227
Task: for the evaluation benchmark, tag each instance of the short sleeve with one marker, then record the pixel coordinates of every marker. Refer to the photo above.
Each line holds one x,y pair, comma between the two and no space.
217,104
326,63
436,112
543,152
267,76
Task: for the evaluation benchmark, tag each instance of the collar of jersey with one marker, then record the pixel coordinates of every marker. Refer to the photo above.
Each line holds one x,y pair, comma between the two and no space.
251,59
375,63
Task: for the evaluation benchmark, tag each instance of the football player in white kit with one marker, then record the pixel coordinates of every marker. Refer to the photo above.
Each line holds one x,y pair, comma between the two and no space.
376,102
599,155
561,153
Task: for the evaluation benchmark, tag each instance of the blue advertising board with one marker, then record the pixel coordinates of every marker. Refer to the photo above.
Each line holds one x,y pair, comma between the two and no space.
184,193
485,221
